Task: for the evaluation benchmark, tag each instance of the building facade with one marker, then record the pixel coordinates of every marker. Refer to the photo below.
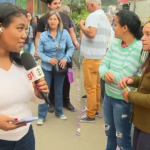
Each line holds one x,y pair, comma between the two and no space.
36,7
140,7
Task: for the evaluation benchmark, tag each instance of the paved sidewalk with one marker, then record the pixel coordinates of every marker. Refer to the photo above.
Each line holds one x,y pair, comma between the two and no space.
57,134
92,134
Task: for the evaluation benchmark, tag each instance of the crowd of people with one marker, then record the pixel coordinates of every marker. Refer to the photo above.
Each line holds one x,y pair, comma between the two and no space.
116,63
121,61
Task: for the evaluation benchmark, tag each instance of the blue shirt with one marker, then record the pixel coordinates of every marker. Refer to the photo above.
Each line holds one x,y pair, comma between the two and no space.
47,48
112,25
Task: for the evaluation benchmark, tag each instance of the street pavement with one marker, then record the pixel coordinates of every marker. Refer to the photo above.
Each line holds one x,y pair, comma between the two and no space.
58,134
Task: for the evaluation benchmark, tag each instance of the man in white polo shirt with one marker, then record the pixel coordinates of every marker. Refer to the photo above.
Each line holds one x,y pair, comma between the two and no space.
96,30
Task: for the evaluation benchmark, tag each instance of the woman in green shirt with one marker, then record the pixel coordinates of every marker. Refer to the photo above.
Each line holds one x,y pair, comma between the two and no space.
121,60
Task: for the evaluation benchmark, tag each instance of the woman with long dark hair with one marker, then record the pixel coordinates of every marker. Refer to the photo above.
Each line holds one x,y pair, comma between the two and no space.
121,60
140,98
16,91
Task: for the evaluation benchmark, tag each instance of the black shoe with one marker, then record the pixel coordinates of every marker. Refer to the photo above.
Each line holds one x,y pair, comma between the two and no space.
85,118
51,108
84,98
70,107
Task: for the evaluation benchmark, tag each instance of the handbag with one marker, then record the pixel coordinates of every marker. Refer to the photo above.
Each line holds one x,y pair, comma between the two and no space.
57,68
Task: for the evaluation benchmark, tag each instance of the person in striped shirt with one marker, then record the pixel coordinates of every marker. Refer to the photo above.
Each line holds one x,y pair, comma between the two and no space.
121,60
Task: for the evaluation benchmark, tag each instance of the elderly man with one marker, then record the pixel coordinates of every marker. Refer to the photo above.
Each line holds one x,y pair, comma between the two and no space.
96,30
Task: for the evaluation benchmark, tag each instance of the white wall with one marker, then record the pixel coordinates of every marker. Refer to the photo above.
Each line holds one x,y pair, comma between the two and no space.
142,9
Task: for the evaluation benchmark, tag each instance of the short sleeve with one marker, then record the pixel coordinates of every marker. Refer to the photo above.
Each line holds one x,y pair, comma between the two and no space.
70,23
92,21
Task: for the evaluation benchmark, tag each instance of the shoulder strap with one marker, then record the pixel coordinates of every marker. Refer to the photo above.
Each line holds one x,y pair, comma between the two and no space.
57,50
60,39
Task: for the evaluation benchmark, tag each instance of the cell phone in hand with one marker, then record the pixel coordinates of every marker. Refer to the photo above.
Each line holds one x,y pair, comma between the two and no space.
26,120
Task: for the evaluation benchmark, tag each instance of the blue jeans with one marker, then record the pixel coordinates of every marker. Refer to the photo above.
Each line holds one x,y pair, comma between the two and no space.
58,87
117,123
29,47
26,143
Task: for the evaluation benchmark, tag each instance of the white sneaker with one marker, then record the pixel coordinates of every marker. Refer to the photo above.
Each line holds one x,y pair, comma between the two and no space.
85,118
63,117
40,122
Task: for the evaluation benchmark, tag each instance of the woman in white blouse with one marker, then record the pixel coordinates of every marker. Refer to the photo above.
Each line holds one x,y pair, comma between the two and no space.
15,90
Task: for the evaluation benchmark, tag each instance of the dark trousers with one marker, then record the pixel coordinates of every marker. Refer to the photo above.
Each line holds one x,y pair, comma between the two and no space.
141,140
66,89
26,143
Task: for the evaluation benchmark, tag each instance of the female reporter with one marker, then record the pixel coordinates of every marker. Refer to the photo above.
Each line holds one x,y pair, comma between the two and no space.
122,59
15,90
140,98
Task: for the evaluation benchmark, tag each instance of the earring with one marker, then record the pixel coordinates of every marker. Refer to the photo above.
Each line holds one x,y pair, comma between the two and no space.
1,30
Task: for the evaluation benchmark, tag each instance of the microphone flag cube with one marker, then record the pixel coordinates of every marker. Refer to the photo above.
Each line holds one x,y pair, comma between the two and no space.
34,74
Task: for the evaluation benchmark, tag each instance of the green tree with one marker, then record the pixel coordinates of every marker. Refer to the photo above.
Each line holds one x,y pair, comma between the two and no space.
79,12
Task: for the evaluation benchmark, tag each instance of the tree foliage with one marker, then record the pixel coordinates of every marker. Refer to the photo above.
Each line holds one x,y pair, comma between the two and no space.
79,10
79,13
104,2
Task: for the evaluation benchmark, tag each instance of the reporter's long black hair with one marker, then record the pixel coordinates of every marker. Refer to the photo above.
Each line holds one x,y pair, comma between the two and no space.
7,12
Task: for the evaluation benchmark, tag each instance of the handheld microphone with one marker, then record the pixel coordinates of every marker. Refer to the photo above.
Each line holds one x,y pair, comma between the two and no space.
34,72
